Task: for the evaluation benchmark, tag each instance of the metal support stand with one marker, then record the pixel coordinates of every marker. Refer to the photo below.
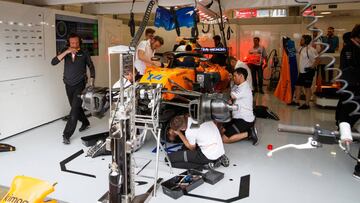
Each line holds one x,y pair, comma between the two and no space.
157,161
157,135
123,126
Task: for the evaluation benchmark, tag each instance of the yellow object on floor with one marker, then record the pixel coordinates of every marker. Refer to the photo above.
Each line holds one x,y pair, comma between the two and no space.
28,190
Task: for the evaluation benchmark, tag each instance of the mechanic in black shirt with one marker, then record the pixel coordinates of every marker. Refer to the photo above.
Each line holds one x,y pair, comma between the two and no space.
350,66
75,79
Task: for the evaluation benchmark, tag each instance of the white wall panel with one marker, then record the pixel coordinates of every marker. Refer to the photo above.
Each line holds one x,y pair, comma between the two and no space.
31,90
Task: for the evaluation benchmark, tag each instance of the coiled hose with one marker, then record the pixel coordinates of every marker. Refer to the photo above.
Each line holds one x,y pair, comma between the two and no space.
330,66
145,20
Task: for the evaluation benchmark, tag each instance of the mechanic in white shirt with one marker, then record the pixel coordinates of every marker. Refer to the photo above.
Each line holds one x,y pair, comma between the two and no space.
204,145
149,33
242,124
308,60
181,48
145,51
127,79
239,64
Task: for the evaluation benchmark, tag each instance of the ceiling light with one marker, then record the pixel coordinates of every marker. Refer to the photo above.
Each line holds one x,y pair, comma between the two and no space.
325,13
1,21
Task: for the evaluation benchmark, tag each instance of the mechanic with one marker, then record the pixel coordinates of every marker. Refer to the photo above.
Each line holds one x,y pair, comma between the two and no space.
149,33
350,65
237,64
127,80
242,124
182,42
333,42
218,58
189,61
144,52
318,47
182,46
204,148
75,79
308,61
257,55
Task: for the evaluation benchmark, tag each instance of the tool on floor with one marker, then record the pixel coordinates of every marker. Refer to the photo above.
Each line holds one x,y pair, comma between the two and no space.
320,136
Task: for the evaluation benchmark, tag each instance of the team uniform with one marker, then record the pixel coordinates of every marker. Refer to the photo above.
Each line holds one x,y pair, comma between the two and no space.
243,118
307,56
210,146
140,65
255,62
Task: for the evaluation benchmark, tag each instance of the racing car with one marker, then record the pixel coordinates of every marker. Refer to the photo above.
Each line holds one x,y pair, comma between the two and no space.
184,76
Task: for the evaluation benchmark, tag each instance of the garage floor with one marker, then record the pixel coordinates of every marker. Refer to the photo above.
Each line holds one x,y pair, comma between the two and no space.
297,176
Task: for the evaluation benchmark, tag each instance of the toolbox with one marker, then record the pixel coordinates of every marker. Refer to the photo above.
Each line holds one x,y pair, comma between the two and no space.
182,183
212,177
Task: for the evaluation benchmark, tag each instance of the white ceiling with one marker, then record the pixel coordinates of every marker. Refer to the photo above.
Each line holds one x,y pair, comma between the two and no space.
64,2
123,6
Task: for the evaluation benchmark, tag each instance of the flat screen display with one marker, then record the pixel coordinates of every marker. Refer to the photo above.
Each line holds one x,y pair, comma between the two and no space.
86,28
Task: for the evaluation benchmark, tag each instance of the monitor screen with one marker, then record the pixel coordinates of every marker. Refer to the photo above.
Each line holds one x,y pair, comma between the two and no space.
86,28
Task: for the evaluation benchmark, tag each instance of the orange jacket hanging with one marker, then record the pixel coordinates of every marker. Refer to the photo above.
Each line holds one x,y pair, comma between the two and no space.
283,90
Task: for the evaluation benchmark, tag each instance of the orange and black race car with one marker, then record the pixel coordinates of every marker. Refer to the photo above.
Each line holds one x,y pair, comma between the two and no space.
183,77
187,71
